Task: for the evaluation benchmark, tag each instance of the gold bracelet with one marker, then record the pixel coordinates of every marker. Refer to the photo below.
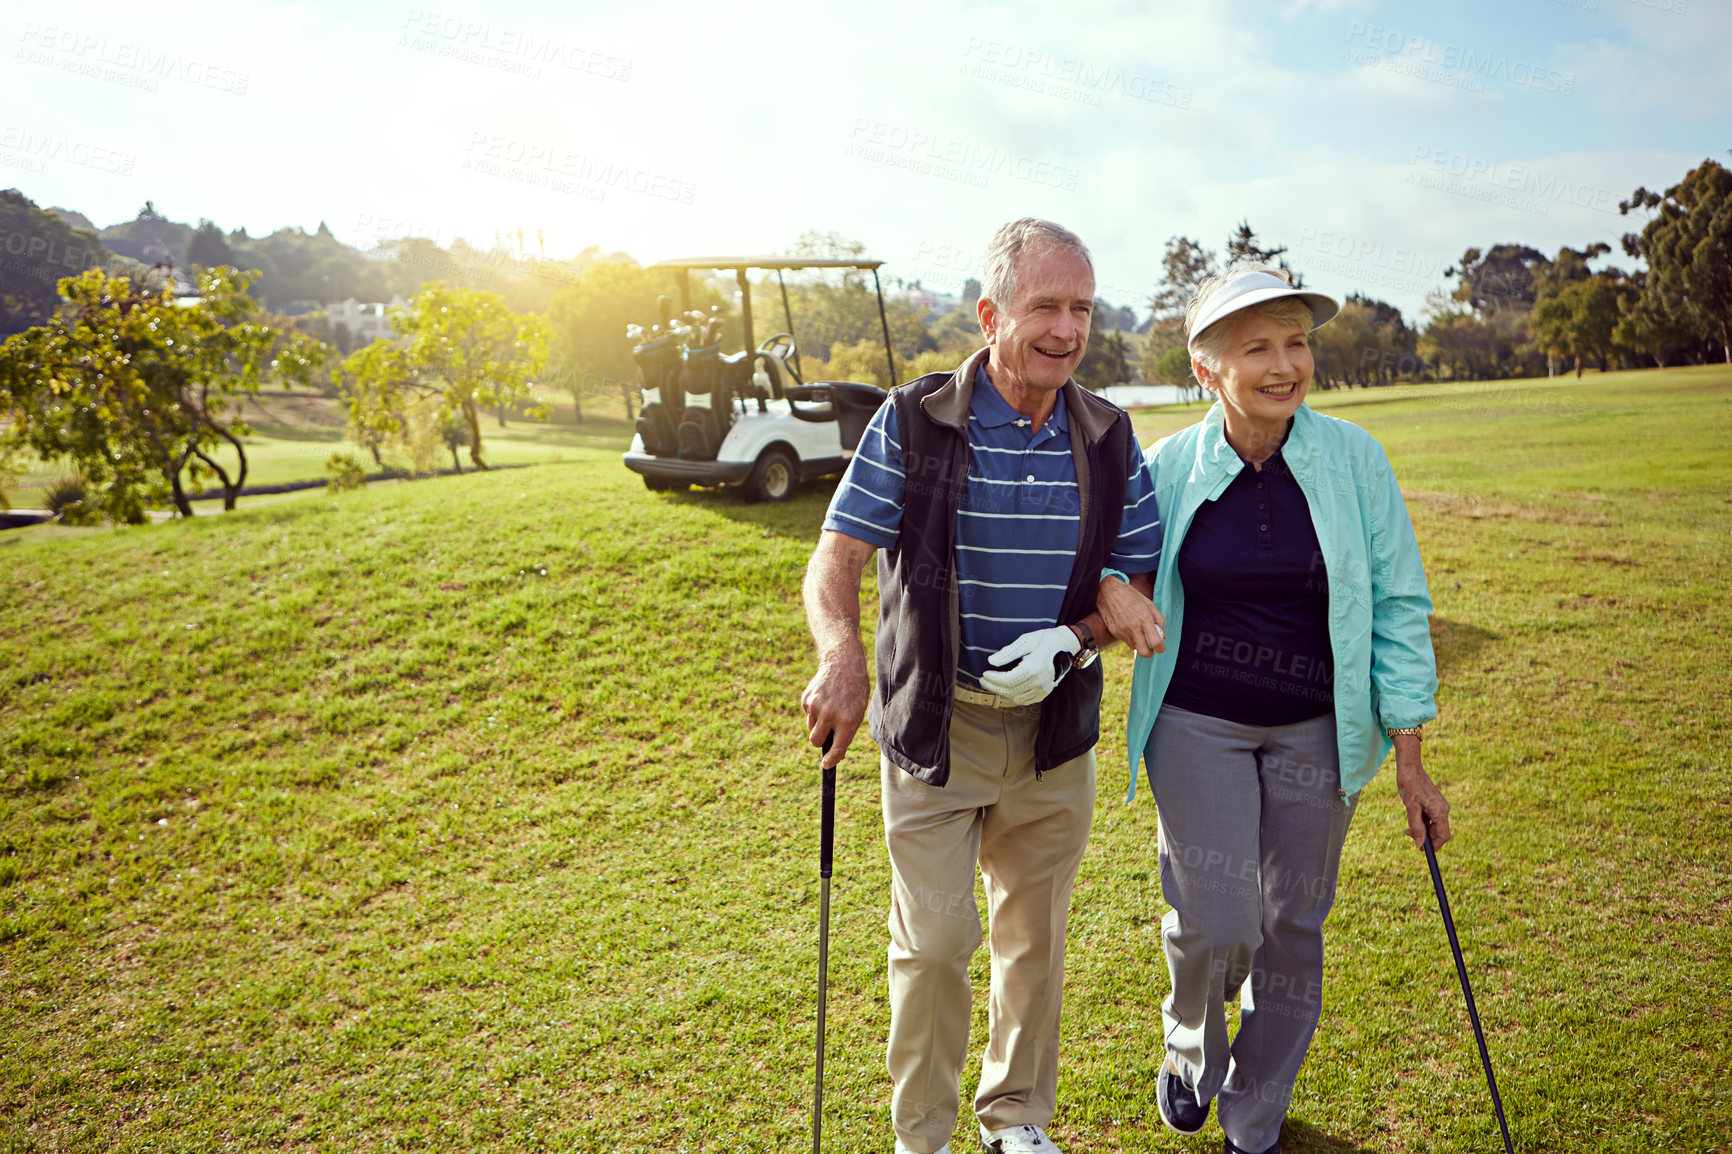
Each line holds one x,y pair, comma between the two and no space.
1407,731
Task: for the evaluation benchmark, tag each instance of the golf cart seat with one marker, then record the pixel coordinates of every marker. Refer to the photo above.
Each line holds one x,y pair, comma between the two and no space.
848,403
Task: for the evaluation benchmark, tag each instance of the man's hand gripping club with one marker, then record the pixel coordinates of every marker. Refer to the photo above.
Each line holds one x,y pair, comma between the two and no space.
836,697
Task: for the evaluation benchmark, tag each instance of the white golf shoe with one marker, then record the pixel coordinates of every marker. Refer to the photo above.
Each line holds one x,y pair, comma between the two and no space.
901,1149
1018,1140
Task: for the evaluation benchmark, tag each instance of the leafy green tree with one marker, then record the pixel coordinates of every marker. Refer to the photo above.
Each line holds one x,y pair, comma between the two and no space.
1580,320
957,333
461,348
1154,360
1688,247
1645,329
1472,346
134,388
590,354
864,361
1185,265
1501,277
1107,362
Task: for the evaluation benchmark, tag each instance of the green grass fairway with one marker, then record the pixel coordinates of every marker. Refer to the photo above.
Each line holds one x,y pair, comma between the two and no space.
294,433
474,814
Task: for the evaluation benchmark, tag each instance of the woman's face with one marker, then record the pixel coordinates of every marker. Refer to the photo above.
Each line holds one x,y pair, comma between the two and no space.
1265,371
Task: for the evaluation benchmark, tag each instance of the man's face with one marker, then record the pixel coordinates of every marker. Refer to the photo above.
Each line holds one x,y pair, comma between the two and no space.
1038,339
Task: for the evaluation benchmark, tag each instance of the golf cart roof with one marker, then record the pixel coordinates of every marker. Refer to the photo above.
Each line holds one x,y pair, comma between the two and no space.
766,262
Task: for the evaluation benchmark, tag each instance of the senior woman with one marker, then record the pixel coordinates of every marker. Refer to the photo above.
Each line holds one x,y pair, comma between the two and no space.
1292,579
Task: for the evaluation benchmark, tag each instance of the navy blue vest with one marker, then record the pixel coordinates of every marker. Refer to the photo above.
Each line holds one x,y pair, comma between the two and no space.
918,617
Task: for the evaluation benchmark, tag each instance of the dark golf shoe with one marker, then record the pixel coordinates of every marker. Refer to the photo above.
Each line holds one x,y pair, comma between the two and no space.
1178,1102
1232,1149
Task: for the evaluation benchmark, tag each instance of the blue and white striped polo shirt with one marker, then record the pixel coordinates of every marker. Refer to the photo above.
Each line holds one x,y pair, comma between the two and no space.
1016,531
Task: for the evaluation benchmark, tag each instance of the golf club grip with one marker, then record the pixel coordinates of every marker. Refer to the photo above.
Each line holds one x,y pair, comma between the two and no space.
1466,989
827,845
827,841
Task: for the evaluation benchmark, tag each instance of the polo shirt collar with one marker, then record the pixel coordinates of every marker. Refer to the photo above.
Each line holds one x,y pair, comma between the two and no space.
993,411
1297,449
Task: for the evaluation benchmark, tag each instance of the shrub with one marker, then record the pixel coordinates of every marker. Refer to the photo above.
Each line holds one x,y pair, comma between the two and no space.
69,502
345,471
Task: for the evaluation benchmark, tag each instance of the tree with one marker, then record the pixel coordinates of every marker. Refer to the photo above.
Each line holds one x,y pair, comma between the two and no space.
1185,265
208,247
1110,318
957,333
135,388
1242,248
1688,247
459,348
1173,367
1368,343
587,319
864,361
1107,362
378,416
1580,320
1646,330
830,309
1501,277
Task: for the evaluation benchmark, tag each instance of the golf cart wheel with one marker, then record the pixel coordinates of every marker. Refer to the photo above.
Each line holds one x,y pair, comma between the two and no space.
771,479
663,485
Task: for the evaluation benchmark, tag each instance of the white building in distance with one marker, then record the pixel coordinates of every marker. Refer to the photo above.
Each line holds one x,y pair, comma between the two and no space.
365,323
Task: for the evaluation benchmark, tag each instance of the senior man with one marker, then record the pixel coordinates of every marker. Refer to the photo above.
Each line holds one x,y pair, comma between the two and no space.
996,496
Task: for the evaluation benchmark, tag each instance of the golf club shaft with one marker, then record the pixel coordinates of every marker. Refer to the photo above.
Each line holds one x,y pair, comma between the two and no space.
826,853
1467,992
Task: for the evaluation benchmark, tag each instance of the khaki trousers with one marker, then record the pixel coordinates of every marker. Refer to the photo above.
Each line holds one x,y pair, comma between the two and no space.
1027,836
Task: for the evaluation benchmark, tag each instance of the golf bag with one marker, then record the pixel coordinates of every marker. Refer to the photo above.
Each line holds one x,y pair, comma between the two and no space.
658,371
708,408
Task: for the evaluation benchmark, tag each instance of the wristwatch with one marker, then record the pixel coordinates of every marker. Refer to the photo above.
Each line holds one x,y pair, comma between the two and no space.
1084,657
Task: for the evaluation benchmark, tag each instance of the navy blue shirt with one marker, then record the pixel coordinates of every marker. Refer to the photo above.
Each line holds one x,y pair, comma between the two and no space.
1018,523
1255,648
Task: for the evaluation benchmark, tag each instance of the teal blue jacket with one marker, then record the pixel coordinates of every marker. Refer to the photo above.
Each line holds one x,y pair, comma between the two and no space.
1379,606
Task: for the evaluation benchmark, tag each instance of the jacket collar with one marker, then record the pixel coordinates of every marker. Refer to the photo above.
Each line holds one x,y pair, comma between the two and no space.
948,404
1217,456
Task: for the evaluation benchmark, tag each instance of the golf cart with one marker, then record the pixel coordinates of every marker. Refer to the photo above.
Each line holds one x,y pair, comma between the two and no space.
745,419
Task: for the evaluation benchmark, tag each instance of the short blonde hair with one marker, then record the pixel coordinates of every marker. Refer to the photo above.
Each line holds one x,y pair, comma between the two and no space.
1212,342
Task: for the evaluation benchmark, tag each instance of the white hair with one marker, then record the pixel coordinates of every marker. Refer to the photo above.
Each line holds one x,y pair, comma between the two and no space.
1005,250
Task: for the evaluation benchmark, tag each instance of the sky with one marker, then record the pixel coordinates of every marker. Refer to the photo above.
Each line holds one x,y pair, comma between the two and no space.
1377,140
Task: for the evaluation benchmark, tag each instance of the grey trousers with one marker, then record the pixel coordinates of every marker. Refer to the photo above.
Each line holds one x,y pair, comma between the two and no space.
1252,822
1025,835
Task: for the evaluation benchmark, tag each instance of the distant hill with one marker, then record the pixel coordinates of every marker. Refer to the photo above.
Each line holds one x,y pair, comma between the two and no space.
41,247
298,271
75,219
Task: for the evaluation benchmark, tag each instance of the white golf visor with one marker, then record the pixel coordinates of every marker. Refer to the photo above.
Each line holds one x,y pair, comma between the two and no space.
1254,288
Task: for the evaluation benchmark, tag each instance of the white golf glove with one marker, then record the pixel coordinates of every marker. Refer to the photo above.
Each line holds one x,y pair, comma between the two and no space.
1032,677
